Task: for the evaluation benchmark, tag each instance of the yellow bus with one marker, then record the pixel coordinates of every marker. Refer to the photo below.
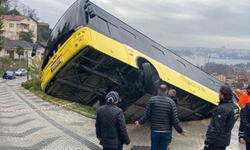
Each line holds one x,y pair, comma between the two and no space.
90,52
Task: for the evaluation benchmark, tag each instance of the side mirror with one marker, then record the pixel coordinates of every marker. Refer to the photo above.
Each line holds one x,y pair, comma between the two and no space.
35,47
91,11
87,16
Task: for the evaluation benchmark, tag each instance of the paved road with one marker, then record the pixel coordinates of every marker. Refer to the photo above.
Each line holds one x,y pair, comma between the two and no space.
60,129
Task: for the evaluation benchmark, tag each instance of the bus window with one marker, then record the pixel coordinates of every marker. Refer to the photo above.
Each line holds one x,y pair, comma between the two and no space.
104,25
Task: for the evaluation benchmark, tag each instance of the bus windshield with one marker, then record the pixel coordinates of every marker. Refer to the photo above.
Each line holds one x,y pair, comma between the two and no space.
71,19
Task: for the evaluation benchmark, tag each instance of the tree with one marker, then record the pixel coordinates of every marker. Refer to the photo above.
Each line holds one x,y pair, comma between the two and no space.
27,36
27,11
238,85
13,12
32,14
43,33
2,11
6,5
18,6
19,50
14,4
219,69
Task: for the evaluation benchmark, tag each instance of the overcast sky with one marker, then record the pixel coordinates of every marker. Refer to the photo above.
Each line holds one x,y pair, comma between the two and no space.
192,23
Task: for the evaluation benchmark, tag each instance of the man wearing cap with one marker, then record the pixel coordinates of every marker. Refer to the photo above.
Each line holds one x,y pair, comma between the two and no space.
110,124
244,99
162,113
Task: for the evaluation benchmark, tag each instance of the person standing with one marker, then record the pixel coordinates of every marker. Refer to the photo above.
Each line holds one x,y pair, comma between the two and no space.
110,124
162,113
172,95
244,99
218,135
242,127
245,123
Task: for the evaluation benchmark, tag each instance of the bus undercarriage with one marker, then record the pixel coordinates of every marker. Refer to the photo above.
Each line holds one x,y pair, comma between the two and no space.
90,75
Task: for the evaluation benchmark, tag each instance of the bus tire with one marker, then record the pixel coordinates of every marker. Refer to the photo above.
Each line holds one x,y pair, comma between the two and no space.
147,77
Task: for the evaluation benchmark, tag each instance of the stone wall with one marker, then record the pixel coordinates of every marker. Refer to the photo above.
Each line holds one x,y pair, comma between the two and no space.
12,66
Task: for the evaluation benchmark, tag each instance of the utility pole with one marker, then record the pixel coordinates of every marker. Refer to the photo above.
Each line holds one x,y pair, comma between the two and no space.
27,65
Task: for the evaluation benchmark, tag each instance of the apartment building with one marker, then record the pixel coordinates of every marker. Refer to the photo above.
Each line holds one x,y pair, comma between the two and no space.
14,24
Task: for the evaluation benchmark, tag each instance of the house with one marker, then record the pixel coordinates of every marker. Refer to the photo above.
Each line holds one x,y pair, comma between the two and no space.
221,77
14,24
10,47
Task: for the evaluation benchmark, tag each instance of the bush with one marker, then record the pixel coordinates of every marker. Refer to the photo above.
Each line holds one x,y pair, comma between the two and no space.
239,85
37,85
6,59
27,84
1,73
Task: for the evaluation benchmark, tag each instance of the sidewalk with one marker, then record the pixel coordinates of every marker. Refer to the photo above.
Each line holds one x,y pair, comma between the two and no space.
60,129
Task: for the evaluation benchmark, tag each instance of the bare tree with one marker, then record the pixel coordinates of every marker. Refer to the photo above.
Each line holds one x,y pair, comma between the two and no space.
27,11
32,14
24,9
6,4
14,4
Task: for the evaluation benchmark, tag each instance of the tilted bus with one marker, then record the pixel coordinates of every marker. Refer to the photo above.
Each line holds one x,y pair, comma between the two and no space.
90,52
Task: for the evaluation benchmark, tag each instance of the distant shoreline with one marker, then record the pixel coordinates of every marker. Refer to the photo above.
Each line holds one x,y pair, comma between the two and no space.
200,60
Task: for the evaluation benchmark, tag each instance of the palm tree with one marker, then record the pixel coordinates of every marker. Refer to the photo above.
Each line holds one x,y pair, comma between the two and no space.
19,50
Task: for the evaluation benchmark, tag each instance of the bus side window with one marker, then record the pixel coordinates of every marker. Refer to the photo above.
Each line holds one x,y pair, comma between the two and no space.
104,25
158,49
128,33
94,22
114,31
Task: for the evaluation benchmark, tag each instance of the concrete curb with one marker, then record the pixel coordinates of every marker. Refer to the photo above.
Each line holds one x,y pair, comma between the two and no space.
68,108
77,111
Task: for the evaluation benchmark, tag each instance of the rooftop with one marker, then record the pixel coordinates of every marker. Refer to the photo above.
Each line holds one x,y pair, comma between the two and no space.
13,43
16,17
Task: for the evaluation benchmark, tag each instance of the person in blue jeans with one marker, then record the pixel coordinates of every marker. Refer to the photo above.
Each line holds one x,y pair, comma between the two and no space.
162,113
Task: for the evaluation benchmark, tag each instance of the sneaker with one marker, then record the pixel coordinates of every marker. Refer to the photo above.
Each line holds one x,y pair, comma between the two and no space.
242,141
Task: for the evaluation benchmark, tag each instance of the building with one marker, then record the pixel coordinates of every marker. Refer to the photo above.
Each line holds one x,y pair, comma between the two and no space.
14,24
222,78
43,24
10,47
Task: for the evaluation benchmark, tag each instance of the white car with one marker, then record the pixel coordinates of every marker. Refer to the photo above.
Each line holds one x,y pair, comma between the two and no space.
21,72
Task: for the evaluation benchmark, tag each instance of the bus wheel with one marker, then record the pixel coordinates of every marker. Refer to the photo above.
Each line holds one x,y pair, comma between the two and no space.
147,77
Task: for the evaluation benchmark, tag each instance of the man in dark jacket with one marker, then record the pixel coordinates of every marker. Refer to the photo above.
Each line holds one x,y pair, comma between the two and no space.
244,99
110,124
172,95
245,123
162,113
225,115
242,127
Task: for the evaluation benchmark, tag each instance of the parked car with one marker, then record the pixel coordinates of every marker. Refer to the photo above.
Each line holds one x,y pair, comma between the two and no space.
10,75
21,72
